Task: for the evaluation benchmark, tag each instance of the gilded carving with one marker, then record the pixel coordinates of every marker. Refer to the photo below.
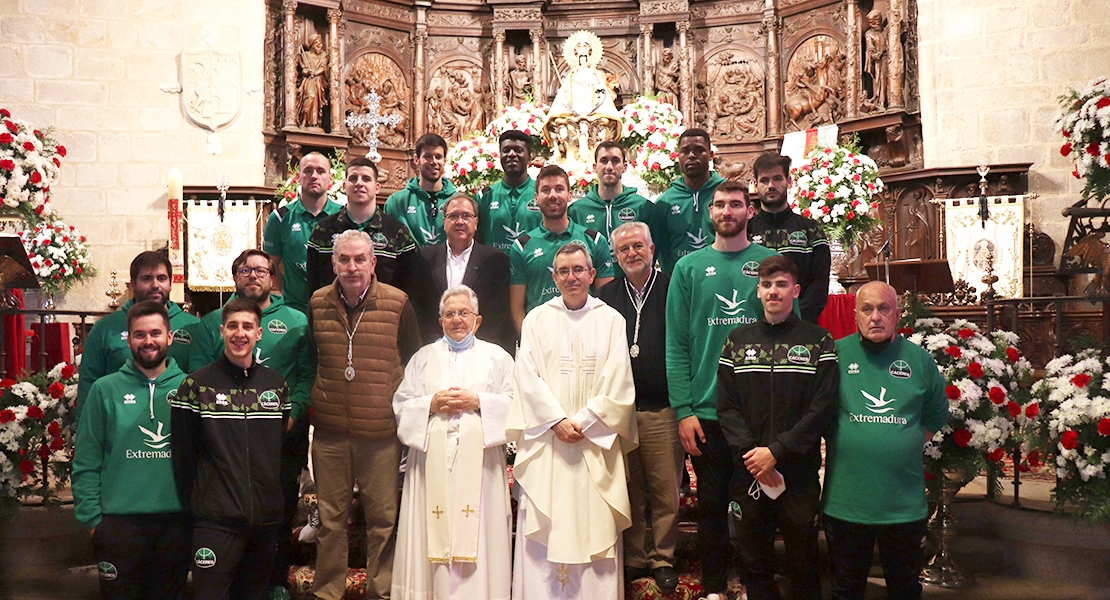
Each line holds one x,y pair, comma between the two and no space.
731,106
312,89
516,14
454,103
378,73
520,81
815,83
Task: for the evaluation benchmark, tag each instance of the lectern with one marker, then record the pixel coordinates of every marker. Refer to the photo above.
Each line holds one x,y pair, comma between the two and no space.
920,276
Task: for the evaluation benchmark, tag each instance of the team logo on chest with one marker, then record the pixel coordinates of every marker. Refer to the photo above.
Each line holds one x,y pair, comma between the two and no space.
181,336
853,369
757,239
380,243
626,215
276,327
204,558
411,210
295,227
496,204
532,206
798,355
129,398
590,218
269,400
733,306
751,269
750,355
797,238
900,369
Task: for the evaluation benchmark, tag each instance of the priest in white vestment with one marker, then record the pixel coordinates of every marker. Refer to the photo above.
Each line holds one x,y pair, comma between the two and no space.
453,538
573,408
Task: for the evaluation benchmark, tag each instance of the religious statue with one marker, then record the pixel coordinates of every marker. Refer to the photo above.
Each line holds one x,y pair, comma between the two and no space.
313,89
666,78
520,82
814,84
392,103
875,59
584,102
465,103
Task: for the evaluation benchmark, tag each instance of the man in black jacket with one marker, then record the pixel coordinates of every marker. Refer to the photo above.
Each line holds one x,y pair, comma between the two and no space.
227,424
777,385
798,238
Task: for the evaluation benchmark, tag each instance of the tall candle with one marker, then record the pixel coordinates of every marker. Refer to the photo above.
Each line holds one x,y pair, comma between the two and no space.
175,185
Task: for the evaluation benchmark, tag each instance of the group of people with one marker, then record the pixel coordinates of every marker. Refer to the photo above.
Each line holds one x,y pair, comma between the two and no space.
434,331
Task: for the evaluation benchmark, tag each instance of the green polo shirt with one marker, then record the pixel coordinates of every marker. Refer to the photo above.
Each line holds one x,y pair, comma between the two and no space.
533,253
286,235
411,205
507,212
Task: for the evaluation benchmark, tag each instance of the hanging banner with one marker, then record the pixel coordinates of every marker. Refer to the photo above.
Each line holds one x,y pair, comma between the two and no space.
969,242
211,243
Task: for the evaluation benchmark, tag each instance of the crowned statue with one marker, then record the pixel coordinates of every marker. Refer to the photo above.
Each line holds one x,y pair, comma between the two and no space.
583,114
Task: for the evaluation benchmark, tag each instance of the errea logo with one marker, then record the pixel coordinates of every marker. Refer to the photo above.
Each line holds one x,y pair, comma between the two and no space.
221,399
590,218
853,369
750,355
129,398
295,227
710,271
411,210
675,210
751,269
757,239
123,336
496,204
537,253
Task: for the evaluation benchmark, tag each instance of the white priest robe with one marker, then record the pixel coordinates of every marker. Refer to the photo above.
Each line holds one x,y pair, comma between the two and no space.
454,536
573,502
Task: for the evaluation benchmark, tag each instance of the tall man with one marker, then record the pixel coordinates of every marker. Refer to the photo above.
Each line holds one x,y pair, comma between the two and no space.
398,260
419,205
684,207
283,348
453,538
531,254
140,533
106,348
891,400
364,331
288,228
712,291
654,468
798,238
484,269
573,404
509,207
776,391
228,421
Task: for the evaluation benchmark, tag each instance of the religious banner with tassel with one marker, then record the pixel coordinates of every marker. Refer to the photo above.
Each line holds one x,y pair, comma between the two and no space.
974,242
213,240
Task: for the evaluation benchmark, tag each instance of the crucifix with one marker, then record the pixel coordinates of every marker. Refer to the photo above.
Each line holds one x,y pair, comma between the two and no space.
371,120
222,184
437,512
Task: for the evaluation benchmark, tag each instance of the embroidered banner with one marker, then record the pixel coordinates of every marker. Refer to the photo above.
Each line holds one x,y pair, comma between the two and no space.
211,244
969,242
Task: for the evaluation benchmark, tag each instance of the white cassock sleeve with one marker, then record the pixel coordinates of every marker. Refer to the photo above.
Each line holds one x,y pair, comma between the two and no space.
411,405
497,402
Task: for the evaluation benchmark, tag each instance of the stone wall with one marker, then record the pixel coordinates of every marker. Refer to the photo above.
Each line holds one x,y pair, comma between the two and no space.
991,71
95,69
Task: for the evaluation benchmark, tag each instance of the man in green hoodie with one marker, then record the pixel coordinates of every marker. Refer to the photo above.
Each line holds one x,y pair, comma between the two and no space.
106,347
684,207
283,348
140,532
610,204
508,207
419,205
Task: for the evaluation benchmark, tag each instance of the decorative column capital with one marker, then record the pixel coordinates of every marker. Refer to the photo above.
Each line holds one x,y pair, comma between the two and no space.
499,36
334,14
420,36
289,6
536,34
770,23
646,28
682,26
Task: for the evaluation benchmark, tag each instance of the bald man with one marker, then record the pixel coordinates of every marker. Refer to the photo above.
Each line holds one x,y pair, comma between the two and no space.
891,400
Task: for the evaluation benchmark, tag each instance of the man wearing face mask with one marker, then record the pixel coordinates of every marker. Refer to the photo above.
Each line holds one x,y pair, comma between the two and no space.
451,412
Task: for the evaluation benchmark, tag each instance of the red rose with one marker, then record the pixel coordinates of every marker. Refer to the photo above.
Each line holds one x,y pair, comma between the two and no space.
1034,459
1014,409
4,113
1013,354
7,164
29,146
54,428
57,443
1103,102
851,214
825,209
1104,427
805,212
1065,149
827,181
953,392
1092,148
966,333
962,437
953,351
34,412
1075,173
68,371
1069,440
1032,410
975,370
36,177
27,467
997,395
6,138
6,383
6,416
1081,380
57,163
12,127
44,452
996,455
57,390
905,330
929,476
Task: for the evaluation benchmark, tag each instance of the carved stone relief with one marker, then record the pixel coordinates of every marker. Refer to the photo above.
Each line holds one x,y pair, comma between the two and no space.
666,78
380,10
456,20
518,80
272,71
454,104
378,73
876,63
814,91
726,9
516,14
731,107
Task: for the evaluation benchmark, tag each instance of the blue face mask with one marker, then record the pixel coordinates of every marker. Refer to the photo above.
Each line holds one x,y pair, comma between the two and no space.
460,345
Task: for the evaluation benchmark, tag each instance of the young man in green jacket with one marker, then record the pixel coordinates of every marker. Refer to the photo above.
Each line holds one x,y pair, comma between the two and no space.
419,205
508,208
684,207
106,347
123,481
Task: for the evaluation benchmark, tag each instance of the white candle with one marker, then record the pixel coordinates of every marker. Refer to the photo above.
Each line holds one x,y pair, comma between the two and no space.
175,185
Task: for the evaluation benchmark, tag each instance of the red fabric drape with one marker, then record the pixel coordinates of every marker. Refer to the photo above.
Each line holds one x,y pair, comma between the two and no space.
839,316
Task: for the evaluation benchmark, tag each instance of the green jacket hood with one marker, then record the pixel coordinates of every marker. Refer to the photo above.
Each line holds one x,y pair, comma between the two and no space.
413,187
172,370
276,304
626,191
679,184
171,307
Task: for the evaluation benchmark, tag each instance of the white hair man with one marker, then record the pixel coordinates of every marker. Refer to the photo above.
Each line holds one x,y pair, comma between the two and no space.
453,539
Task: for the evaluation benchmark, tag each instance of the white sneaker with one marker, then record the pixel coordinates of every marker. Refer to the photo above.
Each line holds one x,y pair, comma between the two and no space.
311,529
712,597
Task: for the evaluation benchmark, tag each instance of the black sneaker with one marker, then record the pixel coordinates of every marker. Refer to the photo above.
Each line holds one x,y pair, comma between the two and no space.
666,578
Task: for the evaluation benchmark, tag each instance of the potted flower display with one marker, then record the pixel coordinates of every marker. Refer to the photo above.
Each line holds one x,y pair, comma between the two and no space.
1084,121
30,160
58,255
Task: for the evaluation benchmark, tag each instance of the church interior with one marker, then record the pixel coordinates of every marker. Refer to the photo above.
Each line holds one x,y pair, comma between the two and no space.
181,122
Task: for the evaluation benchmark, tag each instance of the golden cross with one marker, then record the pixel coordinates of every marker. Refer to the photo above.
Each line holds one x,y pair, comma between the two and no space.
467,511
437,512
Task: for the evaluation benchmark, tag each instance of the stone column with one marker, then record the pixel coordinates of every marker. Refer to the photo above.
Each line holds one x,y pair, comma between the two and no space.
499,70
896,63
685,98
646,74
536,34
289,9
335,94
770,27
854,49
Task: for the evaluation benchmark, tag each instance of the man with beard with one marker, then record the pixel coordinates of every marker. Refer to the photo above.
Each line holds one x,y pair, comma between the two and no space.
140,533
283,348
684,206
609,203
508,208
532,253
288,228
798,238
399,262
419,205
713,290
228,421
106,347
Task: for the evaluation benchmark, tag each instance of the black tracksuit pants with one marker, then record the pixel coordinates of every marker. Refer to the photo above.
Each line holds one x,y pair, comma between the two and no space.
143,556
232,562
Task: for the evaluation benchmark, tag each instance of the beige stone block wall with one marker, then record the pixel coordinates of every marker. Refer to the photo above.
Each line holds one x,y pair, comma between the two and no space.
94,70
991,71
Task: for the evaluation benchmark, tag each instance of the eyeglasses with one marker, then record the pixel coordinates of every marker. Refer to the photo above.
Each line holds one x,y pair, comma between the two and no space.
259,271
577,271
462,314
453,217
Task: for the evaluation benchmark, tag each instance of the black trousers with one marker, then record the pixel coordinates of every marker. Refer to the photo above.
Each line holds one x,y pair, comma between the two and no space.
294,459
143,556
231,563
850,547
714,472
794,513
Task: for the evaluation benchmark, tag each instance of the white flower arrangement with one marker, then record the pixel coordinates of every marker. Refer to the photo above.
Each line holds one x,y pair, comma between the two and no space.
36,431
58,254
650,134
835,186
474,164
1084,122
30,161
526,117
